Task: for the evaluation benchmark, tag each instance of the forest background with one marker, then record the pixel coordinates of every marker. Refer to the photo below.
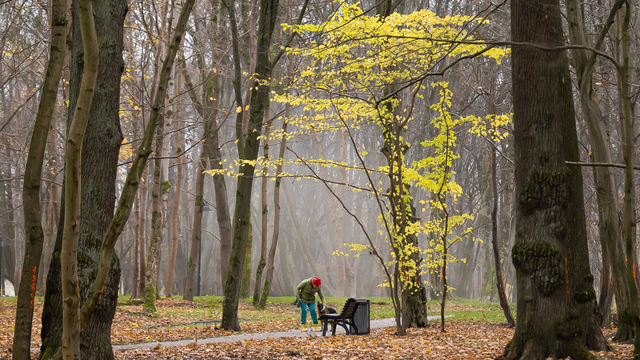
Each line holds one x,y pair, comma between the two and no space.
301,199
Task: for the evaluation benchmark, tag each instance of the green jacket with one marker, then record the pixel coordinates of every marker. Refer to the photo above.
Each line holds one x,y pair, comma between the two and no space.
306,292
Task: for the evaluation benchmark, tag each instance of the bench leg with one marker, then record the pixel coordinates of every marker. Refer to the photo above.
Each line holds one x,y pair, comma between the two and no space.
324,328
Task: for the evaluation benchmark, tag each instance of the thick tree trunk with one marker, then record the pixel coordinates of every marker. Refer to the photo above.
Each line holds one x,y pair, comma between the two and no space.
99,169
31,186
116,225
550,253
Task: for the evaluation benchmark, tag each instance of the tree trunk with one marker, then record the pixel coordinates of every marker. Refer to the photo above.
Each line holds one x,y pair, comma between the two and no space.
607,198
276,216
196,233
100,151
73,161
158,191
265,212
494,220
31,186
142,235
259,106
116,225
135,285
177,144
207,108
627,132
550,253
6,206
504,303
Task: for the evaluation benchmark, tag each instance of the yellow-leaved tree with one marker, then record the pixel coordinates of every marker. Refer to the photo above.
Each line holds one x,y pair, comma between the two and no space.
370,70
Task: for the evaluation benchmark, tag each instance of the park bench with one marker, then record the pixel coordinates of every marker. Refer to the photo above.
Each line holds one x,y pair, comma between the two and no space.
345,318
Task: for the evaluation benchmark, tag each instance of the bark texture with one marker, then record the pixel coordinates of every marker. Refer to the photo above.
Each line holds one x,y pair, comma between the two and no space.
127,196
73,182
550,251
99,168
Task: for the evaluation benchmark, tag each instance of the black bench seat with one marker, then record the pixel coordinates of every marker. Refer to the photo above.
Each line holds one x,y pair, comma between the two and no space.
344,318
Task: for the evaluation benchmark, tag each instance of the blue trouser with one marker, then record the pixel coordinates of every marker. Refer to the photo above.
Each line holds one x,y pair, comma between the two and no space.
303,312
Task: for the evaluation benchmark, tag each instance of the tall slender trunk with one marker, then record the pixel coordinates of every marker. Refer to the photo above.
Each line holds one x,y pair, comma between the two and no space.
31,186
71,233
196,233
258,107
157,225
177,145
504,303
265,212
142,235
607,198
159,189
276,216
135,285
8,232
627,132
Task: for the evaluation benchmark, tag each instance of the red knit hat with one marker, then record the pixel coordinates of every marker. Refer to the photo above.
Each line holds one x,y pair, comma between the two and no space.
316,282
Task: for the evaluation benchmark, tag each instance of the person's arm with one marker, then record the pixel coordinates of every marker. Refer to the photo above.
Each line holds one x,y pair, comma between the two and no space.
298,289
321,295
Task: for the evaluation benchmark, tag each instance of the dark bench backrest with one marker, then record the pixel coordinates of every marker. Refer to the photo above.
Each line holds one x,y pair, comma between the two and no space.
349,308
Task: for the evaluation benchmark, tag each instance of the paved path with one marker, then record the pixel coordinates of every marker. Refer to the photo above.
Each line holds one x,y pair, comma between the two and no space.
375,324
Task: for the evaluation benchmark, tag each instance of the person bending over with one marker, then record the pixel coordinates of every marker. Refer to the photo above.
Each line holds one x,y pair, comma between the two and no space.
305,293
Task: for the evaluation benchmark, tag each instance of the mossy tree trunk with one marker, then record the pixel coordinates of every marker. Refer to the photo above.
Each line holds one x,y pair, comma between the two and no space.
31,186
550,252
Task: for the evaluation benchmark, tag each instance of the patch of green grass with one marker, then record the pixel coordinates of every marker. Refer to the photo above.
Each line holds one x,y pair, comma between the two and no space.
13,300
282,308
